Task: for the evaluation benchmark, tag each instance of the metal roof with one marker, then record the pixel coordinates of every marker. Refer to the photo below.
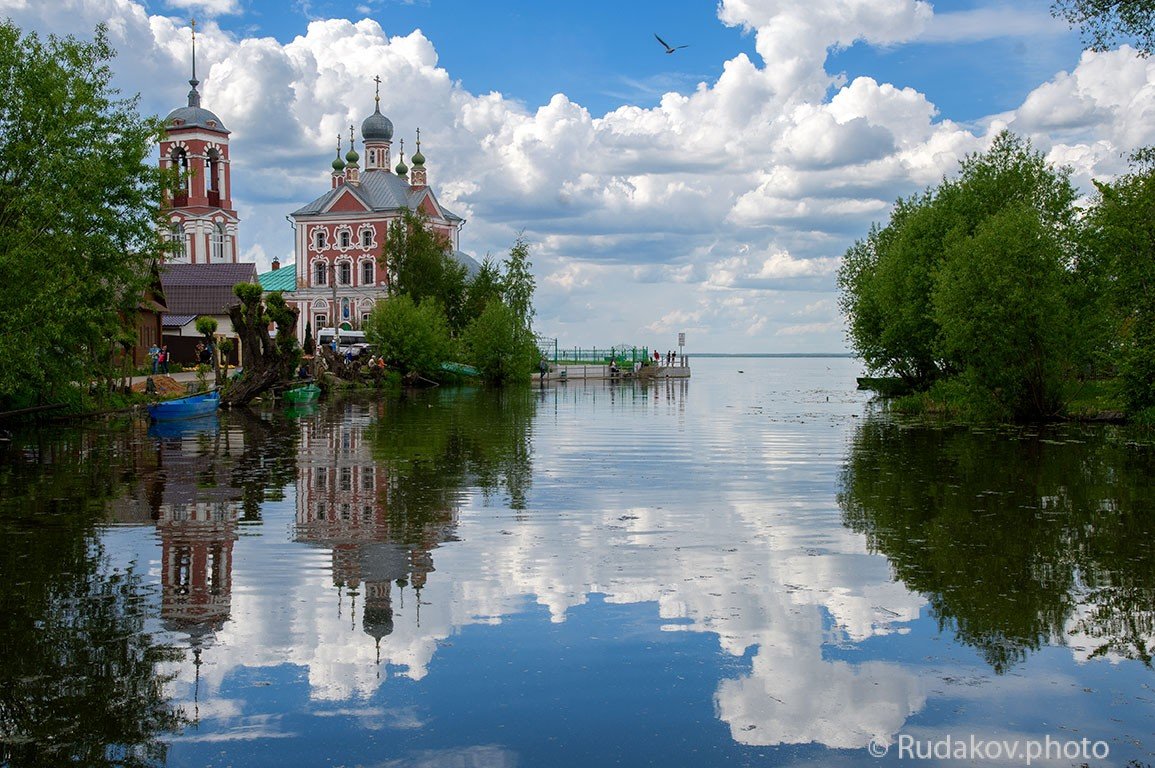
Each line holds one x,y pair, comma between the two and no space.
380,191
283,279
203,289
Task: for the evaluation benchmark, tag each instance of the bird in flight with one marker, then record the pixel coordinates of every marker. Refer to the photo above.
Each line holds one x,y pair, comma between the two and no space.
668,47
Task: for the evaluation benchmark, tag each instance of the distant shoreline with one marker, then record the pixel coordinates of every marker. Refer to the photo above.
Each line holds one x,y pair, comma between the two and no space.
692,355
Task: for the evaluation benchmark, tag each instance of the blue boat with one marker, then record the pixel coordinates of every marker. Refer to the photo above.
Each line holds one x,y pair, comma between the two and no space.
185,407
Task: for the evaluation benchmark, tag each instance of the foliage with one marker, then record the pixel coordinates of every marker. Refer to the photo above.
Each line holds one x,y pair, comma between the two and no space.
499,346
972,278
419,265
1120,253
207,327
517,284
486,286
79,198
267,360
310,343
1106,22
412,337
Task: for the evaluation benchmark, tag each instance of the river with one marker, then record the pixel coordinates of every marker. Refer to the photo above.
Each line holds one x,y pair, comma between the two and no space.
757,566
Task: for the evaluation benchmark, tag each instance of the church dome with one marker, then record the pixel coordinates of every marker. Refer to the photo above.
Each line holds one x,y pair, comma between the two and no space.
377,127
418,159
194,117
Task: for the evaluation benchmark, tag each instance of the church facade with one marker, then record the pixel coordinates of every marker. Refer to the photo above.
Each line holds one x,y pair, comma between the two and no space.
340,237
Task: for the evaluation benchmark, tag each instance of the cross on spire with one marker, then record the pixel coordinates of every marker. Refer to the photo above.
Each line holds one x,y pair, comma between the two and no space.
377,97
418,139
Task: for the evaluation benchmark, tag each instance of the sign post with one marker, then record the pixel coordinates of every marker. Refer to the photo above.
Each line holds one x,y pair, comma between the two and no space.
681,345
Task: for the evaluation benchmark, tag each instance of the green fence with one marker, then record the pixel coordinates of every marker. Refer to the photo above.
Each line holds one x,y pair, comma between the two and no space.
596,356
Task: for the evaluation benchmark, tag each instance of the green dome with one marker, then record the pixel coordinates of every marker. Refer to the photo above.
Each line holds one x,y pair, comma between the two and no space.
402,169
351,157
418,159
338,164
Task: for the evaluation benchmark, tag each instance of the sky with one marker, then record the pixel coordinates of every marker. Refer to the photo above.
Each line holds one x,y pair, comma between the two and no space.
711,191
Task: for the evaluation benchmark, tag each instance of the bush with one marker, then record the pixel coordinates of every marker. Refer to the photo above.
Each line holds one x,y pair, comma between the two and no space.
499,346
413,338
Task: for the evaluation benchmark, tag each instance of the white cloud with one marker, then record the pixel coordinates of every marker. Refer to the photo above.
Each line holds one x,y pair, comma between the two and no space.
207,7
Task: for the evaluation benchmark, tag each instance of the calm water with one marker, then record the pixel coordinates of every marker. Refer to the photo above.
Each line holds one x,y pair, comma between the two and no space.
754,567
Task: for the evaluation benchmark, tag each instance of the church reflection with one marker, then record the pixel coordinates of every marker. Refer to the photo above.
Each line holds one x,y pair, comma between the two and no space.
342,504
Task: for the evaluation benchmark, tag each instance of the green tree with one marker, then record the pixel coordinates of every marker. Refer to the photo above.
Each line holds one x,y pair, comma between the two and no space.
267,361
413,338
500,346
79,203
310,345
420,266
920,292
486,286
1120,251
1001,309
517,284
1107,22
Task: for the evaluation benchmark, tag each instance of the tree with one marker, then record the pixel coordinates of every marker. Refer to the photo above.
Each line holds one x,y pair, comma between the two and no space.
1105,22
79,206
1120,250
486,286
419,265
517,284
267,361
413,338
310,344
500,346
927,296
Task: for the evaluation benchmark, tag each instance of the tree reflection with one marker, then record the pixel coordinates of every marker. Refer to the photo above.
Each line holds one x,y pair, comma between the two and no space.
1017,538
436,444
78,675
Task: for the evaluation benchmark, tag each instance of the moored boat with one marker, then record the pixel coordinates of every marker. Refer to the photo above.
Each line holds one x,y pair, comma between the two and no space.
185,407
306,394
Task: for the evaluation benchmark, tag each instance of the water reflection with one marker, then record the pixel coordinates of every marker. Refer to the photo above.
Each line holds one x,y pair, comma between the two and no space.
80,679
1018,539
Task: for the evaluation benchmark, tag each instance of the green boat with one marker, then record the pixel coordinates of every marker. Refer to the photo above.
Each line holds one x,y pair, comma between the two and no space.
306,394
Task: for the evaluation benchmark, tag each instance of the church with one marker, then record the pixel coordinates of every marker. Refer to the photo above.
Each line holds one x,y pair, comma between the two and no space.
339,269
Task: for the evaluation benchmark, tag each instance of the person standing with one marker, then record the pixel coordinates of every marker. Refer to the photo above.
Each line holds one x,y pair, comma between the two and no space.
163,358
154,355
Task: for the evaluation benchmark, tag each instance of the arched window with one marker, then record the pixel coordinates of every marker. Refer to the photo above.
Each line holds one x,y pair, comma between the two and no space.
218,242
346,238
319,239
344,273
320,273
180,162
366,238
372,158
367,273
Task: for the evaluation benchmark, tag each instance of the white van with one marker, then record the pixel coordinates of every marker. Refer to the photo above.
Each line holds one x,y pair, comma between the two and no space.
345,340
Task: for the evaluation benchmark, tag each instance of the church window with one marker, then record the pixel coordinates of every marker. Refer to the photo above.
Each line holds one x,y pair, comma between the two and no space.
367,273
319,239
366,238
319,321
320,273
346,238
372,157
218,242
177,235
345,273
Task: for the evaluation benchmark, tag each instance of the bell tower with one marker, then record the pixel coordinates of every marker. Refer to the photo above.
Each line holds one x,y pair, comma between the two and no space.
202,223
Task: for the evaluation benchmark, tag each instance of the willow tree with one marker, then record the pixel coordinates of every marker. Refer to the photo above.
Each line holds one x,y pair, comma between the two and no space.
268,361
79,207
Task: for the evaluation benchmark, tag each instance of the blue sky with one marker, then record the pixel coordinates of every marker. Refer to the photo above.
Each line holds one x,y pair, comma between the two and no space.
711,191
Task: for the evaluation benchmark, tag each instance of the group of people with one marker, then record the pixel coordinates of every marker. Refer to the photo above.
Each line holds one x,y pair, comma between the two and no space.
160,358
671,358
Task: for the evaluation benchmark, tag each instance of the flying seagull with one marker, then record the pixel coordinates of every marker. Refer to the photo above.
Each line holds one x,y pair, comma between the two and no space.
667,45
